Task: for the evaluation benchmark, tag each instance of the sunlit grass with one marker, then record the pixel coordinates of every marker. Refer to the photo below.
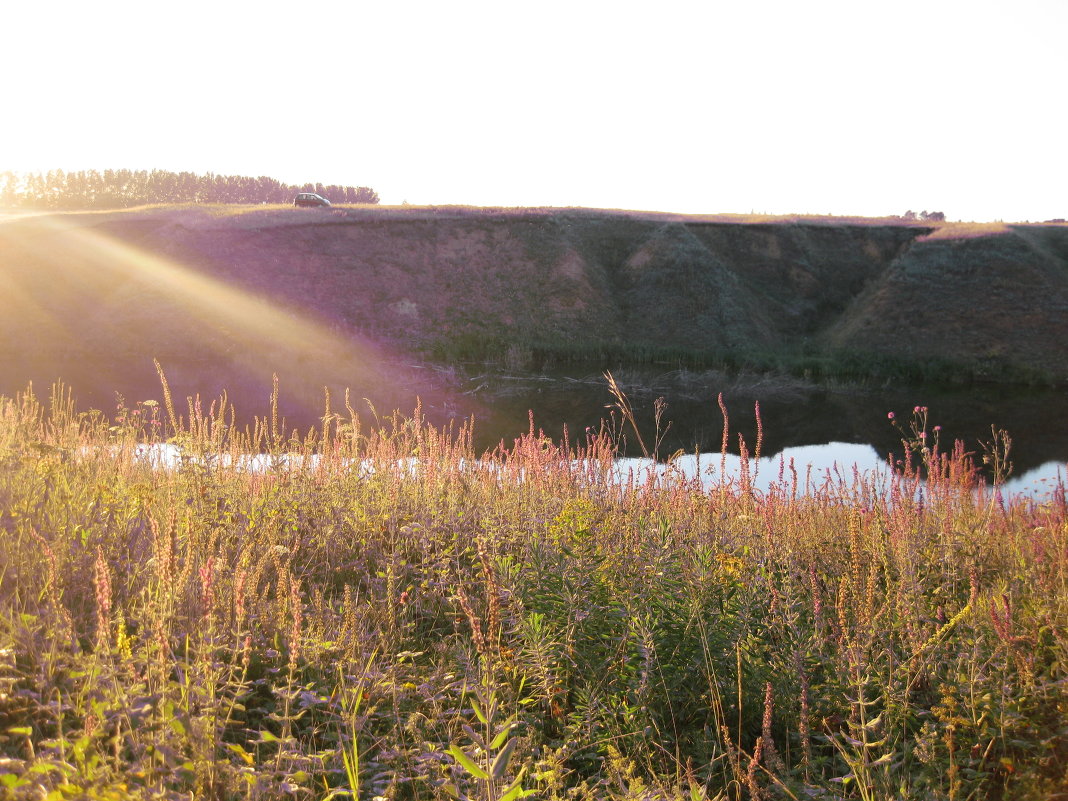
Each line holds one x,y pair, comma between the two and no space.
967,230
402,617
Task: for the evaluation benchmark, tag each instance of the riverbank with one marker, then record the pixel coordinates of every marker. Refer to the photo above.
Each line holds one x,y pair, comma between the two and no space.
226,296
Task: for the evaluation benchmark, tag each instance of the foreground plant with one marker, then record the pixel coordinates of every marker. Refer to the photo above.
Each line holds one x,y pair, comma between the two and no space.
377,611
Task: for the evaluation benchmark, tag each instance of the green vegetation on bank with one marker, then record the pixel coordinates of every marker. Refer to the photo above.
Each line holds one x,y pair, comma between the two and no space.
807,362
367,626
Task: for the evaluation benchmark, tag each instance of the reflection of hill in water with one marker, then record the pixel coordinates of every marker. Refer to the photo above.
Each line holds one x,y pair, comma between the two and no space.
833,468
792,415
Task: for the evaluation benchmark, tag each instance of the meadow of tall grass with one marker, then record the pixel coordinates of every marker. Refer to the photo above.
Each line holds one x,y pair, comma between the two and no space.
404,618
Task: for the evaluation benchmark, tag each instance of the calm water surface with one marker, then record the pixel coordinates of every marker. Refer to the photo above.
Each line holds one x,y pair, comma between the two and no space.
821,427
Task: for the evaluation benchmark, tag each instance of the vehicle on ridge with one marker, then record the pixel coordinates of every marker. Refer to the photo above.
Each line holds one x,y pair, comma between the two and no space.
310,199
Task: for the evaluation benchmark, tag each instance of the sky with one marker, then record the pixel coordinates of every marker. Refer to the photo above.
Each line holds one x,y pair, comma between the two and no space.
820,107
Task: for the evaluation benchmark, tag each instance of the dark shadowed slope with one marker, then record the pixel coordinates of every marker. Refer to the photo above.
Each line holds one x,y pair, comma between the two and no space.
989,299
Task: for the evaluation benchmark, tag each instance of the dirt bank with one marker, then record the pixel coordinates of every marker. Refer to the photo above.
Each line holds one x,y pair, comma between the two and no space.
230,295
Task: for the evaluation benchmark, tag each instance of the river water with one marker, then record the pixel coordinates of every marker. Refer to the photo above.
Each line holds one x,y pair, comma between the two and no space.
818,426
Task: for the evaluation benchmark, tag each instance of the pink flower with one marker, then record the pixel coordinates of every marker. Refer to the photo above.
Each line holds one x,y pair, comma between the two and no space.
889,415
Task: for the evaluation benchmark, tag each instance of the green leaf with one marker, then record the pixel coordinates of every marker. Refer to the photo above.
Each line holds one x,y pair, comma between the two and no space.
502,735
241,752
478,712
852,740
500,762
475,737
516,789
467,762
874,723
27,730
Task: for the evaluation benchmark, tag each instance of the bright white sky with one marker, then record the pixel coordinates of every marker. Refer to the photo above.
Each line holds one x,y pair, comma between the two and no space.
848,107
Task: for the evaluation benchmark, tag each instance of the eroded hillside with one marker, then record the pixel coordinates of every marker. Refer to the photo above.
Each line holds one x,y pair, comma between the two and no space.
227,296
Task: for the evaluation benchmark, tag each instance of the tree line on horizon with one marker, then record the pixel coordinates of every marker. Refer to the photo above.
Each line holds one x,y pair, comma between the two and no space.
116,189
930,216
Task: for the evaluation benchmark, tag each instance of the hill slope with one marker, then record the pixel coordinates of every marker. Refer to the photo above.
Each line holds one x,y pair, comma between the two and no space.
226,296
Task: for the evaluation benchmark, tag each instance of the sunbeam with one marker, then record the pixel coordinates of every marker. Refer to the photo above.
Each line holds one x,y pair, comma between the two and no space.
84,304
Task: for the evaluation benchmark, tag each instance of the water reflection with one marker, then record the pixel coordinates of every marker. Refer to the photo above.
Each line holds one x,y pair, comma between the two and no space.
1039,482
821,426
811,468
813,425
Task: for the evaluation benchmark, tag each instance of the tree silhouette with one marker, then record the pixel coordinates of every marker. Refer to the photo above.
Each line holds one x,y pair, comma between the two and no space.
89,189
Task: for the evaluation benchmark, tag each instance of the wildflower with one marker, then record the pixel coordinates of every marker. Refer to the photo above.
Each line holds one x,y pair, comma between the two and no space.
207,586
750,777
298,620
889,415
102,585
239,597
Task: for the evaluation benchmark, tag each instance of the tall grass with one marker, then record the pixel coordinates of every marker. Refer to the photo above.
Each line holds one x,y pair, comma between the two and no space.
377,611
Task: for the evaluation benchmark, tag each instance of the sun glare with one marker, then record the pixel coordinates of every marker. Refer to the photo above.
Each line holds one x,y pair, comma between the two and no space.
87,302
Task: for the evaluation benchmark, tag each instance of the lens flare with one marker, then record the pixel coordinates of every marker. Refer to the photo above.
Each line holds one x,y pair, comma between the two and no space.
81,301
